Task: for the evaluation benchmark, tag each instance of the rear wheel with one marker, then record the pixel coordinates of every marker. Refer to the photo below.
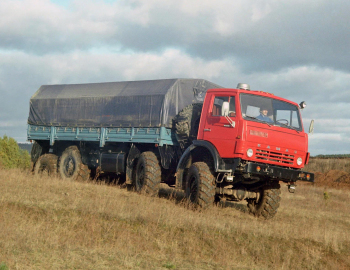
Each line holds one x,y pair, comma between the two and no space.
147,174
267,204
200,185
37,151
46,165
71,167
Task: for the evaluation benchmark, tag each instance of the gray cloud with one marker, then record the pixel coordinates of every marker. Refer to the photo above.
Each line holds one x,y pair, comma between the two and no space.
283,34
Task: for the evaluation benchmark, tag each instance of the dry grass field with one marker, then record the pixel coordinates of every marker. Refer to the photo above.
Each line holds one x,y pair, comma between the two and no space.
328,164
47,223
332,173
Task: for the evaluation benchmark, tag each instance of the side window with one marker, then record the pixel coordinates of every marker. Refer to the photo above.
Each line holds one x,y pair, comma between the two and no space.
232,111
218,108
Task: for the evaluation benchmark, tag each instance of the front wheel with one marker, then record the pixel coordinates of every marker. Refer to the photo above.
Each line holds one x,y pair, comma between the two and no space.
268,202
71,167
200,185
147,174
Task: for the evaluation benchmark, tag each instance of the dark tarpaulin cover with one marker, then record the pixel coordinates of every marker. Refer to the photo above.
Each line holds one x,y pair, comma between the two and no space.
151,103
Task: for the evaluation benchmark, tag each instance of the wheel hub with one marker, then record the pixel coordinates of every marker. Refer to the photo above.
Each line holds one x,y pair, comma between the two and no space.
69,166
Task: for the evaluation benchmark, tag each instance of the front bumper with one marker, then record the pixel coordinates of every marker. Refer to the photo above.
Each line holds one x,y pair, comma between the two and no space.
283,174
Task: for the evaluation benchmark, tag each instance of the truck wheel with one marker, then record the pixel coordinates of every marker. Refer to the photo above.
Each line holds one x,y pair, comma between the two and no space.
147,175
35,153
71,167
268,203
46,164
200,185
187,124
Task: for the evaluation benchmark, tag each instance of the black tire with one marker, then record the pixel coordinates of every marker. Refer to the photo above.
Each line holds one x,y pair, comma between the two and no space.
187,124
200,185
268,203
46,165
71,167
147,174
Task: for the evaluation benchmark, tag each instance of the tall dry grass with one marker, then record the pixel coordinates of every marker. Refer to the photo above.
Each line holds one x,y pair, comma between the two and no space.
51,224
325,165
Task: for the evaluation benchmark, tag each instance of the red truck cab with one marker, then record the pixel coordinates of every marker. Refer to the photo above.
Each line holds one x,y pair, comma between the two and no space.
234,122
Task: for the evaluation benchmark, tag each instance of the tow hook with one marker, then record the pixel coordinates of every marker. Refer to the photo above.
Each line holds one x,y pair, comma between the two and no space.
291,187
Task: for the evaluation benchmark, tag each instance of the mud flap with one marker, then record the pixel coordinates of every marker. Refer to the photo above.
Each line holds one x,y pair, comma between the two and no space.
134,153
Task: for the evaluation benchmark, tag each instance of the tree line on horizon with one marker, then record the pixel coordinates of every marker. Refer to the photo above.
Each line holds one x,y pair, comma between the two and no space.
335,156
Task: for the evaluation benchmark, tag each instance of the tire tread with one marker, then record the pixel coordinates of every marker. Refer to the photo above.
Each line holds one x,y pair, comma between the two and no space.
206,195
269,202
83,173
152,174
51,160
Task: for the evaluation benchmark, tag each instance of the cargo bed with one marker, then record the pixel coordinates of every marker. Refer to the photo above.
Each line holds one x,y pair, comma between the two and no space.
161,136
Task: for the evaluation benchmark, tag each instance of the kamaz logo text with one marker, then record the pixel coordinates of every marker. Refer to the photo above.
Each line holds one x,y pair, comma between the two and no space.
258,133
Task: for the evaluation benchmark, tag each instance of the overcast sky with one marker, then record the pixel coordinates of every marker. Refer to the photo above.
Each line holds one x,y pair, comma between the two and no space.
295,49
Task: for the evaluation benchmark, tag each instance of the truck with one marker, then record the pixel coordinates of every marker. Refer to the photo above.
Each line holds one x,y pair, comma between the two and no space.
212,143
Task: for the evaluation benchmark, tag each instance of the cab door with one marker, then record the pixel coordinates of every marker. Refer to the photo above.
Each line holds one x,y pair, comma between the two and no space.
220,125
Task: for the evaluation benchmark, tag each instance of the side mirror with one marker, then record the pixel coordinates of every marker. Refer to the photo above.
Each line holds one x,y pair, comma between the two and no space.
225,108
311,128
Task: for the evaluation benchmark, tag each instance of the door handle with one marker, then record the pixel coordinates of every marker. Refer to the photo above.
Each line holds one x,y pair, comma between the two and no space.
207,129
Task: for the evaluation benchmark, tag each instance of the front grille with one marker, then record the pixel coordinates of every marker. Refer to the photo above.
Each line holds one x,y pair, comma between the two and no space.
274,156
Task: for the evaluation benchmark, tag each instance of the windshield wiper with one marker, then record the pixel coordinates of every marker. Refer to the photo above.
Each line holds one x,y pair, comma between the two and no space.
294,128
265,122
287,126
282,124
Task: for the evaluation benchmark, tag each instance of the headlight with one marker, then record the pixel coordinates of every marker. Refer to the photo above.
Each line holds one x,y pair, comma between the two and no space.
299,161
250,152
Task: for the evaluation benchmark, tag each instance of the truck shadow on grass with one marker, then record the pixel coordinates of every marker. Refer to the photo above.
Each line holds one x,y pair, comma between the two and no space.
172,194
179,198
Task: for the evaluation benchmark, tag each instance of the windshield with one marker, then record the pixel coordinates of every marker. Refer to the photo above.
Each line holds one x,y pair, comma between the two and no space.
270,111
